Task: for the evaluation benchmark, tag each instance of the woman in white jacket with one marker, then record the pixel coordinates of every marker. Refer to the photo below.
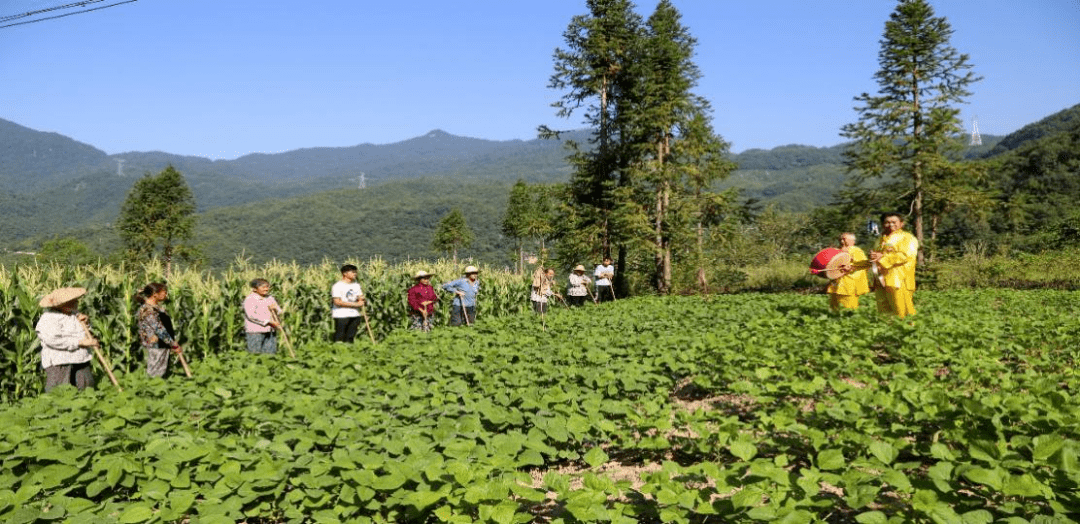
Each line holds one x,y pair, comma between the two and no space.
64,340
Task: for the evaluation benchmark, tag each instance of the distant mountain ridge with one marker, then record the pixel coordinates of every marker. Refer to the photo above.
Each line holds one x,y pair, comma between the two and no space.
52,185
32,161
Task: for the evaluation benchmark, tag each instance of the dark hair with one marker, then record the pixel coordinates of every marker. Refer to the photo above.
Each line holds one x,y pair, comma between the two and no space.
259,282
150,290
887,215
347,267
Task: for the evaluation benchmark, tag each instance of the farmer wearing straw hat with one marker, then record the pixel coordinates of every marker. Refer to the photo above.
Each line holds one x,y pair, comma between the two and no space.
844,292
463,307
422,299
578,287
64,341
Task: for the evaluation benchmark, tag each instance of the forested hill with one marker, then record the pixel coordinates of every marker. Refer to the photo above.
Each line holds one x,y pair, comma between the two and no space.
1066,120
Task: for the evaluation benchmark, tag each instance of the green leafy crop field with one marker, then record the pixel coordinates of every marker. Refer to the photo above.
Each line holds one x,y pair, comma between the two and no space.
738,408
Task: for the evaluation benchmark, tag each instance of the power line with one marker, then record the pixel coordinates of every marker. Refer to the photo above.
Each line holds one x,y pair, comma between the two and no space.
68,6
46,10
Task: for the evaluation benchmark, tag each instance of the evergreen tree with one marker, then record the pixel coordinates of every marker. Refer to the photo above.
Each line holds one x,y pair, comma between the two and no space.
530,215
596,70
908,134
636,79
452,234
159,211
672,136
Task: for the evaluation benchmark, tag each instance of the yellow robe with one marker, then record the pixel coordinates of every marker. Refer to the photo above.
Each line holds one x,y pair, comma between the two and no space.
896,267
844,292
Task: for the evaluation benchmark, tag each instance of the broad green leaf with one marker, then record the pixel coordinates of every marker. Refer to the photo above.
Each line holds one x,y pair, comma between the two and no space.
743,449
136,513
883,451
831,459
596,457
993,478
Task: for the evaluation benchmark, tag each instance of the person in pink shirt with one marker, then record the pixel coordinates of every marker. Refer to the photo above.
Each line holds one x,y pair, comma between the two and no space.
260,319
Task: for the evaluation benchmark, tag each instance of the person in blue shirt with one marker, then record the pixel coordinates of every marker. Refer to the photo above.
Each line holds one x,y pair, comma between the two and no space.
464,304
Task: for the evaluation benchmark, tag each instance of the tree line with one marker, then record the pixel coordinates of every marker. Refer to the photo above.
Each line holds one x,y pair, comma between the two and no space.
646,189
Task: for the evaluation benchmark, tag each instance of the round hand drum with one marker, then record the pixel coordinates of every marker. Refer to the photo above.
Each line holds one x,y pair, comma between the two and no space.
827,262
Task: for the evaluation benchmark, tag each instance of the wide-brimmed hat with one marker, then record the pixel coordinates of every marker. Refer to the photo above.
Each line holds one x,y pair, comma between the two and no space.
421,274
61,296
471,269
579,267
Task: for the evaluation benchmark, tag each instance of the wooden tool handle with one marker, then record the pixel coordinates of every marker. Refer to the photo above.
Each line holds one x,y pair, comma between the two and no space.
101,358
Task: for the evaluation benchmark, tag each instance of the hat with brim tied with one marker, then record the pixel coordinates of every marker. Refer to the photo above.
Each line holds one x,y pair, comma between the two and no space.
471,269
421,274
62,296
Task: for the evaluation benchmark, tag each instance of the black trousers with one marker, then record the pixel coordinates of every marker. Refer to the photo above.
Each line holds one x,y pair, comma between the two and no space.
345,328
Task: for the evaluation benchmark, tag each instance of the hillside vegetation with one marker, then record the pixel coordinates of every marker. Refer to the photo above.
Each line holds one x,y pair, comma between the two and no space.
303,205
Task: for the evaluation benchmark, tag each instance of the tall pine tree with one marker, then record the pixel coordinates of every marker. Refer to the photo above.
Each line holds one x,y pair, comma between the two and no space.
908,132
650,133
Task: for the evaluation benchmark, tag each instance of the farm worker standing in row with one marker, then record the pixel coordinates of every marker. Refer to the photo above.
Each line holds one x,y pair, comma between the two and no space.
260,319
347,299
844,292
604,274
577,289
464,304
893,262
156,333
64,341
542,289
421,298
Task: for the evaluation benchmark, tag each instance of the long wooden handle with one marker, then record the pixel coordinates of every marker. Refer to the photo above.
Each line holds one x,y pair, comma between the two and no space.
284,337
183,361
101,358
363,311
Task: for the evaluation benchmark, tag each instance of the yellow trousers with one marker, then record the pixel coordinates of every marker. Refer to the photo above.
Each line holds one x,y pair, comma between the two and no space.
843,301
895,301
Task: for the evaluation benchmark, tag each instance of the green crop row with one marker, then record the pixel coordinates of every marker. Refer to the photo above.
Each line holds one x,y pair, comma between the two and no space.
738,408
206,307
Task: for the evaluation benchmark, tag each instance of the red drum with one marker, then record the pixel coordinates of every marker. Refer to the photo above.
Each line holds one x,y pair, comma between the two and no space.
827,262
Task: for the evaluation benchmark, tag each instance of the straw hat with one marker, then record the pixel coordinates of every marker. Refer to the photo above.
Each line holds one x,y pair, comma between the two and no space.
471,269
61,296
421,274
579,267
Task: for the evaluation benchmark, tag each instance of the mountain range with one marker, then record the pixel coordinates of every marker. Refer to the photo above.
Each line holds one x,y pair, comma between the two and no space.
52,185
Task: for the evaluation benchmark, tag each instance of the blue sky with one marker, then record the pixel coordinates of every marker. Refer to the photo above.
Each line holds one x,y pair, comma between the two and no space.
223,78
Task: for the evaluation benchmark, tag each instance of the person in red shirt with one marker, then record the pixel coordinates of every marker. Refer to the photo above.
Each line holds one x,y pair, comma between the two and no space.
422,299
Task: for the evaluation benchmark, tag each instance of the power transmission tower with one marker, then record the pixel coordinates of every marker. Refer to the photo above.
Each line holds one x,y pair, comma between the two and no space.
361,183
976,140
120,167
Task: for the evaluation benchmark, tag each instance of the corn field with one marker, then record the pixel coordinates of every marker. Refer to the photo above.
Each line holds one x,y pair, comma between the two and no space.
206,307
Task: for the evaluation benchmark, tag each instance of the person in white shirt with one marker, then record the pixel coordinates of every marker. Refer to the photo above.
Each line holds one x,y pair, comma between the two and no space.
578,287
605,273
347,299
64,340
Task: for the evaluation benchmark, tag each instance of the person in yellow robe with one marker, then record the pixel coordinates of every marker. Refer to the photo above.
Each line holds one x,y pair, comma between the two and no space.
893,262
844,292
